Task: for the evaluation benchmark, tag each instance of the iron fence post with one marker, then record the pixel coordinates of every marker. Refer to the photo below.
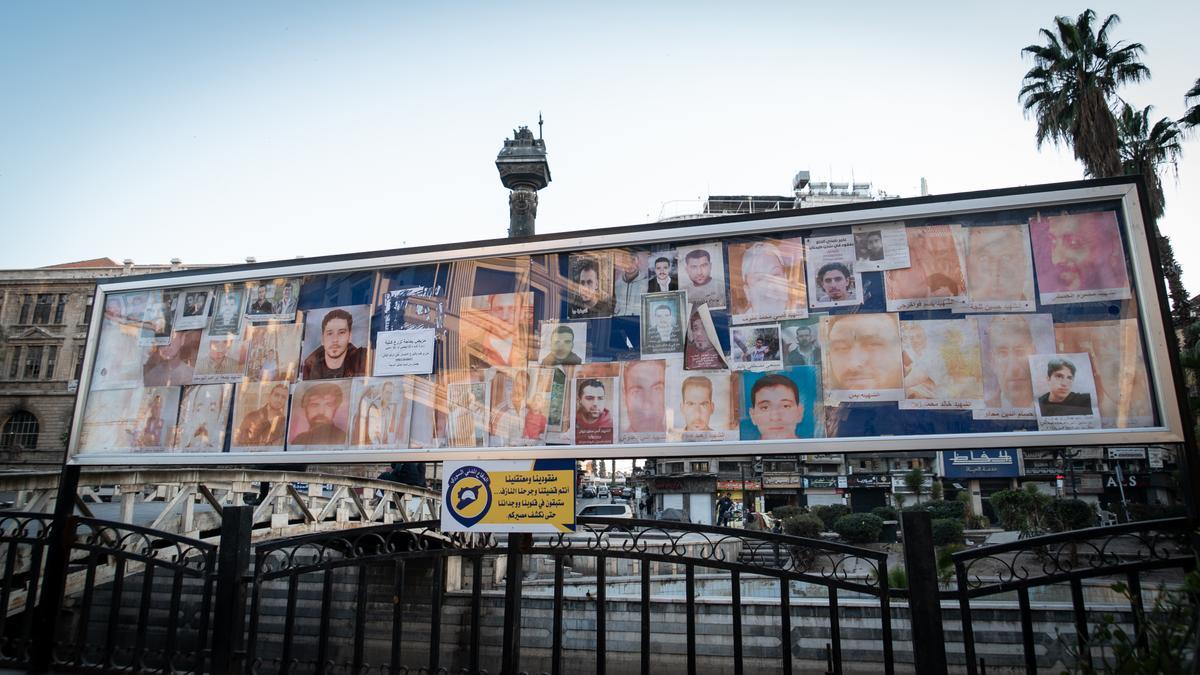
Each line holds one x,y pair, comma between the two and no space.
229,611
54,579
924,605
514,573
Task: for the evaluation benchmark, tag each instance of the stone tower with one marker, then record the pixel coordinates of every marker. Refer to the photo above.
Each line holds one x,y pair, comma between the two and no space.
524,170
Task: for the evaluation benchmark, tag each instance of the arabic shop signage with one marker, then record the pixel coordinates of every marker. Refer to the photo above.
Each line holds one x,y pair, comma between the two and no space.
869,480
509,496
985,463
1127,453
785,480
822,482
738,485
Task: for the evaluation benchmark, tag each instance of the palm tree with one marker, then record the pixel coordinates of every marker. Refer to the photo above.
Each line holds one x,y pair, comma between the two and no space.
1068,90
1191,118
1145,149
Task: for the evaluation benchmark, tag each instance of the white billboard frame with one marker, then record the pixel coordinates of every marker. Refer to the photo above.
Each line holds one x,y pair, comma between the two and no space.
1143,282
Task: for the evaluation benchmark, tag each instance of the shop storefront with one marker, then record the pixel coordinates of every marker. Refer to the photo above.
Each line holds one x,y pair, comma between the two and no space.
782,489
868,491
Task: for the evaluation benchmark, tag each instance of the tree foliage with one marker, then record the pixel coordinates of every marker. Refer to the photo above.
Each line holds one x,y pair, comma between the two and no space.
1075,75
1191,118
1031,512
859,528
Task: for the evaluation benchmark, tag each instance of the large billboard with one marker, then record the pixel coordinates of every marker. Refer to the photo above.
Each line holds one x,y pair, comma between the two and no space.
1022,317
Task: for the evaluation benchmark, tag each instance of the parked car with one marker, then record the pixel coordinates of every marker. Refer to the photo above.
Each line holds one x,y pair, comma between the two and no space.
674,515
588,493
617,491
602,492
607,510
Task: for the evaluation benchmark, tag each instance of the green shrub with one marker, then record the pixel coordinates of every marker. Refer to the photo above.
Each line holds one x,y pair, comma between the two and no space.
885,512
829,513
859,528
1071,514
947,531
1152,511
803,525
785,512
945,509
898,577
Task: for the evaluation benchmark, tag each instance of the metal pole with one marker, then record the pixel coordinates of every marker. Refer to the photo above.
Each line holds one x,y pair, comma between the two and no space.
54,579
1121,487
233,559
924,605
514,573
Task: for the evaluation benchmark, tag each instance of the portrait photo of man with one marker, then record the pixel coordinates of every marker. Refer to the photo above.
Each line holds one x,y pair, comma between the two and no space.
154,426
868,246
662,323
495,330
260,300
1079,253
158,318
286,304
629,280
934,279
643,385
696,401
227,317
222,359
595,401
329,350
700,352
800,344
779,404
590,290
174,363
836,283
863,359
999,268
941,364
1007,341
754,347
260,416
563,344
766,280
467,424
203,412
506,424
833,279
322,416
662,273
1059,400
704,274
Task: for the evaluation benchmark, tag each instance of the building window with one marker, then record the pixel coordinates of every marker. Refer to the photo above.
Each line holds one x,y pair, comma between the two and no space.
41,311
51,359
26,308
782,467
673,467
79,362
14,366
60,307
699,467
729,467
20,431
87,310
33,362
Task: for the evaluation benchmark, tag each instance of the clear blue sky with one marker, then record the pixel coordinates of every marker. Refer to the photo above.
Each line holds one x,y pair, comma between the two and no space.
215,131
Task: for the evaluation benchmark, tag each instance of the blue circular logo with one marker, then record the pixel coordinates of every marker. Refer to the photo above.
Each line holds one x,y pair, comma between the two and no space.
468,495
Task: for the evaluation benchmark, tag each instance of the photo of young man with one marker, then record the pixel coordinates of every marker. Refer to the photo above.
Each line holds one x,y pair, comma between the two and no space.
863,360
942,369
643,385
193,311
755,347
222,359
174,363
331,343
800,344
227,317
629,280
1066,393
380,412
699,405
467,424
833,280
780,405
880,246
320,415
704,274
260,417
700,352
153,427
506,423
562,343
594,419
1079,257
1007,341
590,290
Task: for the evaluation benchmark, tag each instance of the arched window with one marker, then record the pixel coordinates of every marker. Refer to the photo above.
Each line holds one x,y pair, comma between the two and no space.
20,431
